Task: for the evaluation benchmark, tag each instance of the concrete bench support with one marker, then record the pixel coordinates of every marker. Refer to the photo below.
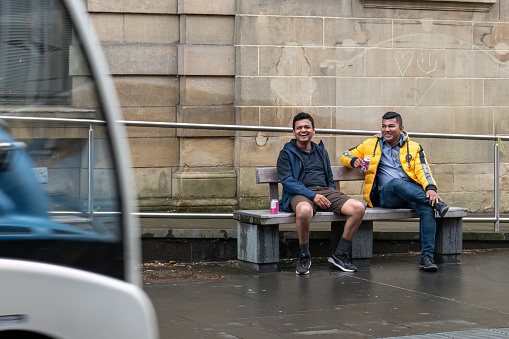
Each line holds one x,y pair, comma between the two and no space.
258,247
448,240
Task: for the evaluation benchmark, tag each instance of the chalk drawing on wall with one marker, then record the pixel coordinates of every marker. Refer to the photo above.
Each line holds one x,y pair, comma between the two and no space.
427,66
405,59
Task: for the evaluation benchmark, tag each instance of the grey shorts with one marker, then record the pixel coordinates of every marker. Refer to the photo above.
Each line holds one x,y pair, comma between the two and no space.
337,199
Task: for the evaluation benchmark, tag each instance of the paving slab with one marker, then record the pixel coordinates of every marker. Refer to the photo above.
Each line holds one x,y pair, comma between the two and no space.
392,299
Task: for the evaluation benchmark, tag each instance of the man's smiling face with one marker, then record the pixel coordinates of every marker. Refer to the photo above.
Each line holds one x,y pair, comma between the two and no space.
391,131
303,132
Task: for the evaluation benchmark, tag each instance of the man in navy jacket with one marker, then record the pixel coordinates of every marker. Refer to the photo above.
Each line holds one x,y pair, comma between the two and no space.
305,172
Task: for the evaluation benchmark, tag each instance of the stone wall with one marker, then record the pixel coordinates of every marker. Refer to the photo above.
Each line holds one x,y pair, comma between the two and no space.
259,62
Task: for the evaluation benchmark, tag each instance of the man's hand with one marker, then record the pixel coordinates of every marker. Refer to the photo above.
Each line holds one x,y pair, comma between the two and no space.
321,201
433,197
358,163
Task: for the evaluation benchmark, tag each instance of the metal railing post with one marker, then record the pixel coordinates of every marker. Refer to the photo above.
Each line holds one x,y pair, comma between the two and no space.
91,172
497,186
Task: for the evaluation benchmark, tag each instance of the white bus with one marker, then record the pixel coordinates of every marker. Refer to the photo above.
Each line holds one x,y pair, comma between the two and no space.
69,246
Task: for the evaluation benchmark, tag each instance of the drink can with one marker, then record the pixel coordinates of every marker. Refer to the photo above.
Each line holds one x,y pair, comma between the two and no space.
274,206
365,167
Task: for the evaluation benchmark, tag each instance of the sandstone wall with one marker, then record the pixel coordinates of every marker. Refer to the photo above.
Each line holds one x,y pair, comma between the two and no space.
259,62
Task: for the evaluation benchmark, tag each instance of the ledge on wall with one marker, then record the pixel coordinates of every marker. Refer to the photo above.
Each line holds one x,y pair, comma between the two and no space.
437,5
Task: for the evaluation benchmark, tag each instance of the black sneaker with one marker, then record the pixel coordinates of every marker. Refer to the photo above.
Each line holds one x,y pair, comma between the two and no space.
442,208
343,262
428,264
303,265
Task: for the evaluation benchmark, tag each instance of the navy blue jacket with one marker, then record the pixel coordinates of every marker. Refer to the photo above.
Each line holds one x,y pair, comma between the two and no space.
291,173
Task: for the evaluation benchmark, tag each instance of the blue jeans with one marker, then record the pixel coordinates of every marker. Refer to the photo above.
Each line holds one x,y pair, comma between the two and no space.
399,193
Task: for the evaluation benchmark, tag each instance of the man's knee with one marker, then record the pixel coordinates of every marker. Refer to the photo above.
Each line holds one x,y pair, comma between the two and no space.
303,211
358,208
353,208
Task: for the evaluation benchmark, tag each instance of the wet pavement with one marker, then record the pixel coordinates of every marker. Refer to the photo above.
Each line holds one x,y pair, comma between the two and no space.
391,299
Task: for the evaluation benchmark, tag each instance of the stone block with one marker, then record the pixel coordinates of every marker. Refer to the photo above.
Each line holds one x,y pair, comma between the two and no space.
304,61
351,188
283,116
495,93
361,118
223,115
475,202
277,30
459,151
500,121
162,114
108,27
473,183
105,188
256,152
134,6
206,91
430,34
346,32
325,92
153,29
248,116
84,92
141,59
204,183
329,8
246,60
492,36
408,63
344,143
504,11
206,152
206,60
210,29
248,186
102,154
147,90
257,244
221,7
463,119
477,64
154,152
375,91
152,182
64,181
444,92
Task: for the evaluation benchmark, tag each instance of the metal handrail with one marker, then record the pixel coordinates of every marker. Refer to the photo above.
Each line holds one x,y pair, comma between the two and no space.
92,122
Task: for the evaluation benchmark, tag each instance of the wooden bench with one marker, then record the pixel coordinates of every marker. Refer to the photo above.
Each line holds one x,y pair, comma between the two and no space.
258,230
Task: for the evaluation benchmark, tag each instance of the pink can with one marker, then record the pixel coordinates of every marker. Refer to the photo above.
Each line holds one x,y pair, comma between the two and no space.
365,167
274,206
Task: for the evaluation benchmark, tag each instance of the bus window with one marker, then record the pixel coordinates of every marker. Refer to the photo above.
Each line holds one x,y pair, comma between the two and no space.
59,198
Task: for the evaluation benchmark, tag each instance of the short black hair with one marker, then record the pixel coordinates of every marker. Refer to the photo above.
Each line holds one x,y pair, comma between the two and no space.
302,116
393,115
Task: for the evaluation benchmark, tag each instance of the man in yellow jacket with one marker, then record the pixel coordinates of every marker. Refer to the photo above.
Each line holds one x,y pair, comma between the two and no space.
398,176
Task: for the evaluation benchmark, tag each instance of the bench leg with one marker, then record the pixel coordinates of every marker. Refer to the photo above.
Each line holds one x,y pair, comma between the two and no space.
258,247
362,242
448,240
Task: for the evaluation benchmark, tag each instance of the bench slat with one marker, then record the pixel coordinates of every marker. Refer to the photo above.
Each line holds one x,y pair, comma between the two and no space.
264,217
268,175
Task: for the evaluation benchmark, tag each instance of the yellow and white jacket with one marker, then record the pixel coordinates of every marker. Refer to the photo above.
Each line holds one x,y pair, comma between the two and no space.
411,156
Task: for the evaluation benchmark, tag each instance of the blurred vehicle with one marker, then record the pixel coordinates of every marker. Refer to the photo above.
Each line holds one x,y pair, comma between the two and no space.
69,245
